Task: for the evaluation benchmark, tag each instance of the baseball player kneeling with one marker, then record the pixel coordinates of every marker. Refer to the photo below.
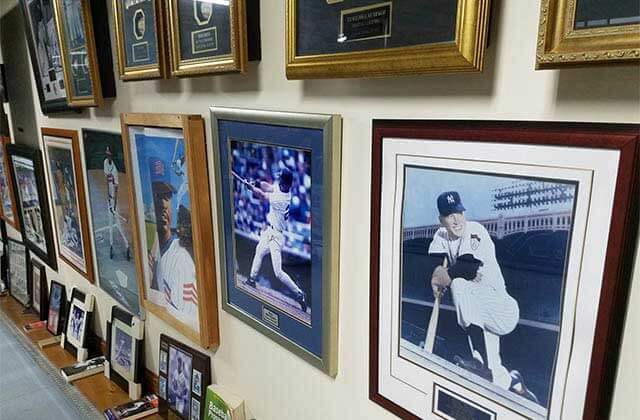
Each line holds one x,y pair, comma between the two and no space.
484,309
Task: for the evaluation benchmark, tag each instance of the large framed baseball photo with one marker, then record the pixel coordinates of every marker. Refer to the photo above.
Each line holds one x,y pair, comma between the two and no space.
172,228
67,193
8,210
375,38
499,266
278,194
110,223
27,175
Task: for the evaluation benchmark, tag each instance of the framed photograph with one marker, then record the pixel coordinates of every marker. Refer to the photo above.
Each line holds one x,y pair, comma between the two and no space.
278,195
78,323
4,92
44,50
176,390
109,217
27,175
207,37
376,38
37,278
66,191
57,308
487,248
582,32
171,207
17,256
125,353
82,25
140,33
8,211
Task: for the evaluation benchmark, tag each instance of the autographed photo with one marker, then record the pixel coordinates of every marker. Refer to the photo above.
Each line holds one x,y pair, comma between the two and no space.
179,381
122,352
110,214
30,202
56,302
72,19
6,187
76,325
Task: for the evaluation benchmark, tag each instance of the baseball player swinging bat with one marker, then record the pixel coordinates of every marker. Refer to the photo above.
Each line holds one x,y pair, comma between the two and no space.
241,179
433,321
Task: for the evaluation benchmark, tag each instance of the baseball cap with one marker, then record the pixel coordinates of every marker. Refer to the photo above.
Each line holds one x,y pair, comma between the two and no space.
160,177
449,202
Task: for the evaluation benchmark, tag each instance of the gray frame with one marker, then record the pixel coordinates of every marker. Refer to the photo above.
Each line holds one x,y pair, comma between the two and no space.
331,125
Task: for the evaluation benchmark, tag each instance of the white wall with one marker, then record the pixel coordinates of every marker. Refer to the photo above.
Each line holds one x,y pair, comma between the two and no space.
275,383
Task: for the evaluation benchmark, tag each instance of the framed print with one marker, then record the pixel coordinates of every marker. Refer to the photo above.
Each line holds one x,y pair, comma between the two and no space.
207,37
125,353
44,51
376,38
37,278
8,211
140,33
177,390
78,322
57,308
25,165
109,217
17,255
66,186
169,196
82,25
582,32
488,247
278,195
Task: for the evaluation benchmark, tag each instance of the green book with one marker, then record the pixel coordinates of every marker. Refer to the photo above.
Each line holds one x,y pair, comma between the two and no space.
221,404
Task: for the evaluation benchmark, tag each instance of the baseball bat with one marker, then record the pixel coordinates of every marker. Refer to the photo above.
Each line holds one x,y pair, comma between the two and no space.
241,179
433,321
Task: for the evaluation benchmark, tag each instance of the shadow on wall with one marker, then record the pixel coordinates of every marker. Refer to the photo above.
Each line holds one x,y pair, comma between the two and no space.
599,84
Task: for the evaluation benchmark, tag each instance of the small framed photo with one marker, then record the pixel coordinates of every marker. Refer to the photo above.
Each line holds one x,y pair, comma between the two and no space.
57,308
170,202
125,341
44,50
17,256
8,210
27,175
87,69
67,193
207,37
353,38
37,277
586,32
177,392
140,39
278,195
487,248
78,321
109,214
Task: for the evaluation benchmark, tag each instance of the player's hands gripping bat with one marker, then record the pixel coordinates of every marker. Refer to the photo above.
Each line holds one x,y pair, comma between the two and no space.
241,179
438,279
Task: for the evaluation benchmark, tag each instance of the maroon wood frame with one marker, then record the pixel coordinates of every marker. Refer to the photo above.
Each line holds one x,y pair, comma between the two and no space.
620,247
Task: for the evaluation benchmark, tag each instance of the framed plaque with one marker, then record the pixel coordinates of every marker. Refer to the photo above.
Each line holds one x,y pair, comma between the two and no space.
8,211
140,39
374,38
580,32
82,25
498,283
67,193
207,37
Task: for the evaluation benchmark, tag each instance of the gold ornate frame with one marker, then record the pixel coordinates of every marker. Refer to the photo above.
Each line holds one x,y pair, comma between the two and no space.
465,54
234,62
96,84
559,44
147,71
192,127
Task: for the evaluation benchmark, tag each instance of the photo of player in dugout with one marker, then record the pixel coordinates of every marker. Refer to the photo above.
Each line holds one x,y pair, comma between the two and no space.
495,249
271,189
179,381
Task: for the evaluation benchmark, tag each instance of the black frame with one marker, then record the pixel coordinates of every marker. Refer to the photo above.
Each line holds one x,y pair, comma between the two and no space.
33,265
9,285
4,92
4,262
138,369
35,156
62,314
199,360
82,297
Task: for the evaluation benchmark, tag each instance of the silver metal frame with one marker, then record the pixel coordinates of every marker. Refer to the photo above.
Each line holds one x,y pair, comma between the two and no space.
331,125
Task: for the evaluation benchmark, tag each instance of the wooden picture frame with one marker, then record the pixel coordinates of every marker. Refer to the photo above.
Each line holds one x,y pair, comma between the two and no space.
561,43
125,351
37,278
63,165
57,312
18,281
40,30
233,57
8,209
580,159
32,202
136,61
89,73
458,47
164,144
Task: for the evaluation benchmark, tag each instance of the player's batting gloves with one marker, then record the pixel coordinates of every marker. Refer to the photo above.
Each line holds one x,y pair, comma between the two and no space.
440,278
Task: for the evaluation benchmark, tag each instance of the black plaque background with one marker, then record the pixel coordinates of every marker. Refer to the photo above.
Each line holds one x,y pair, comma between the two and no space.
414,22
187,24
603,10
148,7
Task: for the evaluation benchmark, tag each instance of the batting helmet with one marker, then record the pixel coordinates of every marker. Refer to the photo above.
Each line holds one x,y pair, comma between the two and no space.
286,179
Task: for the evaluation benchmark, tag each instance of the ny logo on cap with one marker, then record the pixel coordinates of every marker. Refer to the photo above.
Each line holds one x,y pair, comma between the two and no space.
450,199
